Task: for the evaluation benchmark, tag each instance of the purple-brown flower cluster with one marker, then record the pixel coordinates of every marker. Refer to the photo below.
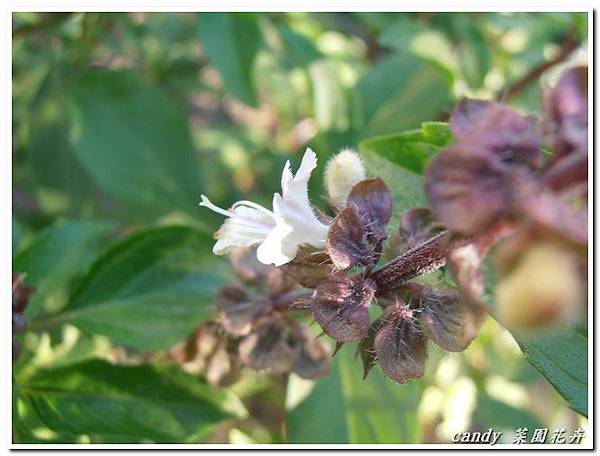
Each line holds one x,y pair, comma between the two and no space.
411,313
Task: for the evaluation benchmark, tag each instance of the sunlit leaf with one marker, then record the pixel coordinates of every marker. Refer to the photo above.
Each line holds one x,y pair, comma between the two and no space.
399,159
330,102
410,149
375,410
306,424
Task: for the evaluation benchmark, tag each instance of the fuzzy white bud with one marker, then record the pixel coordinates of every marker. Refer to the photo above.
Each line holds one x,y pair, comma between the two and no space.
344,170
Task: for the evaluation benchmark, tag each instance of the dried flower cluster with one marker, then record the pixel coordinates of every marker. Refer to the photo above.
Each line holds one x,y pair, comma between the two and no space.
255,327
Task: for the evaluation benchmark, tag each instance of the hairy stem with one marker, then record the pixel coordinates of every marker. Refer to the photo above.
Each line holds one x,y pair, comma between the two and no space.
427,257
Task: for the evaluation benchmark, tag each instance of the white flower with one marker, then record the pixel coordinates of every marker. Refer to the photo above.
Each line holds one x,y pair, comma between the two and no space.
280,232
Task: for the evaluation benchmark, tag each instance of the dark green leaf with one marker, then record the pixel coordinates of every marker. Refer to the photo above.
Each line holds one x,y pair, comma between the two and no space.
231,41
563,359
128,403
399,93
302,50
53,165
399,34
134,141
149,290
56,256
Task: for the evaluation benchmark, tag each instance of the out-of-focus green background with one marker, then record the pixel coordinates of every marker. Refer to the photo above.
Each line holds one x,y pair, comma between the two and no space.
121,121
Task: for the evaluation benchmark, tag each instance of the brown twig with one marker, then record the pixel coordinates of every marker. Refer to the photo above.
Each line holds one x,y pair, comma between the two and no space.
568,46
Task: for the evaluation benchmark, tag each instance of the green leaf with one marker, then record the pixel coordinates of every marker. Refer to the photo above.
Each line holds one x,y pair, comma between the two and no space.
563,359
231,41
149,290
474,57
134,141
410,149
406,186
399,93
57,255
302,50
128,403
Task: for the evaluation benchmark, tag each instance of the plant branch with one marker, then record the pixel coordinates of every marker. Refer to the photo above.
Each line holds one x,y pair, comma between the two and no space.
568,46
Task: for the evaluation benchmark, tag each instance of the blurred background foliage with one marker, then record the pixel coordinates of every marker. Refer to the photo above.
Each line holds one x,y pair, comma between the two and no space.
121,121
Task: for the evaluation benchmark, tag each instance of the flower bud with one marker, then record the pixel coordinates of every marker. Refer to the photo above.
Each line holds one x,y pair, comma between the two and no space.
343,172
400,345
542,289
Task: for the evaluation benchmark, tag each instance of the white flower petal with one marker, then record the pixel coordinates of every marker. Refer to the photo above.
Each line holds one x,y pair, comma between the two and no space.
275,249
247,224
294,207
